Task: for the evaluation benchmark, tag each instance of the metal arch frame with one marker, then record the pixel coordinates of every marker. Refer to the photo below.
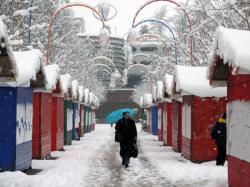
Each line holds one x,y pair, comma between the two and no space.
145,36
110,62
112,6
185,12
104,70
103,65
165,25
69,5
137,65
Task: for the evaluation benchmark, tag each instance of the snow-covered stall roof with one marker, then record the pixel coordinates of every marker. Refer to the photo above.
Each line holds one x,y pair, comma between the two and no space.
86,96
75,85
193,81
154,92
27,64
147,99
169,84
81,93
65,83
232,46
52,73
159,91
5,37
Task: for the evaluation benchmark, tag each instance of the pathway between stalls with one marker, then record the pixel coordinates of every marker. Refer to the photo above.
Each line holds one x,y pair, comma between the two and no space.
105,169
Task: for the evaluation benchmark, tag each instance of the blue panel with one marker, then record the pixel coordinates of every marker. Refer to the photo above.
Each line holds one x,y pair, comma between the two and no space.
74,133
154,122
7,128
24,127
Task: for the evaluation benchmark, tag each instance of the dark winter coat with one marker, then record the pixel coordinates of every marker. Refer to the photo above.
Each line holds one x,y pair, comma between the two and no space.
128,130
219,133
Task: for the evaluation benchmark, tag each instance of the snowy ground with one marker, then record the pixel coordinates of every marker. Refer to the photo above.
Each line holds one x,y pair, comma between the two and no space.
94,161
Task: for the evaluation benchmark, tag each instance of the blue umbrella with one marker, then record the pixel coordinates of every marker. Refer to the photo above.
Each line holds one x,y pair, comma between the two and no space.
114,116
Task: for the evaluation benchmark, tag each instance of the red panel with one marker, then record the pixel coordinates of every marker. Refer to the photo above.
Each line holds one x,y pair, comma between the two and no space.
236,83
54,124
81,130
160,131
177,126
170,123
42,126
57,125
205,112
36,151
238,172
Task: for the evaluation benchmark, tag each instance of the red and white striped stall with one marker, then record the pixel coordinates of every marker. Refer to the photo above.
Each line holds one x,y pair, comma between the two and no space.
147,102
202,106
230,64
167,116
159,98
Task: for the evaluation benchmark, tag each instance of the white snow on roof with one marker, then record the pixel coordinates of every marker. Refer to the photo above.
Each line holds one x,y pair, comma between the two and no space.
52,73
159,92
4,35
169,84
28,63
233,47
75,85
81,93
86,96
147,99
154,92
65,83
193,81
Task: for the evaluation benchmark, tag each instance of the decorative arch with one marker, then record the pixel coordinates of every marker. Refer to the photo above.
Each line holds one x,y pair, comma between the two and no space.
69,5
185,12
166,26
104,60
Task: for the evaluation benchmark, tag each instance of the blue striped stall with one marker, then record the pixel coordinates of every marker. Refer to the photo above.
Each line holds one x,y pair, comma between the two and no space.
15,128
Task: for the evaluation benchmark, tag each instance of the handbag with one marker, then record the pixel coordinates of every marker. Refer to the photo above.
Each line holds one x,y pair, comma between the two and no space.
118,136
134,151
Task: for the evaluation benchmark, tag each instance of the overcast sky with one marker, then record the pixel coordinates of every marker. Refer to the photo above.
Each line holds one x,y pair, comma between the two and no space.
123,21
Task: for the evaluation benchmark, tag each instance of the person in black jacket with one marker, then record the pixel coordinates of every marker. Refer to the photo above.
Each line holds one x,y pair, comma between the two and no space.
219,134
127,129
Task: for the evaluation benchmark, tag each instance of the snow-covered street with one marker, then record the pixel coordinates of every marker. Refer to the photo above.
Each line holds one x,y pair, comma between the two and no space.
95,161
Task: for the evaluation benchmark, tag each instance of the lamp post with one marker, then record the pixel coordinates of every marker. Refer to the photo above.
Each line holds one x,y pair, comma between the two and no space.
30,20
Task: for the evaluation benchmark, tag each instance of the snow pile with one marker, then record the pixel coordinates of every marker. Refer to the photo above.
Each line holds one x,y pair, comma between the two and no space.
65,83
75,88
169,84
81,93
28,63
86,96
193,81
233,47
70,169
159,92
147,99
52,73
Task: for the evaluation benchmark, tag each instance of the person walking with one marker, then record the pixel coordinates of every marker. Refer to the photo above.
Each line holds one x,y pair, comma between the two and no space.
219,134
128,134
